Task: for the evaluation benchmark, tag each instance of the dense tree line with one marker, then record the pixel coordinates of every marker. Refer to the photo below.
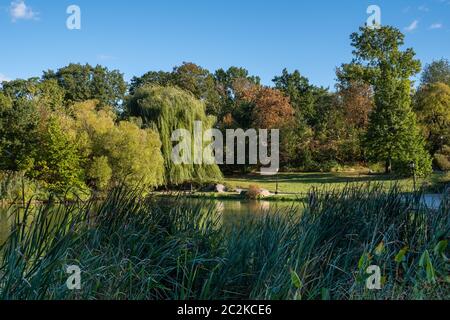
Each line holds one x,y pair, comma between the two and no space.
84,127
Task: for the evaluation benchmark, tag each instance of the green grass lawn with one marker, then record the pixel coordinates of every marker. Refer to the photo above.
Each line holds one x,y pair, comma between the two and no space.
303,182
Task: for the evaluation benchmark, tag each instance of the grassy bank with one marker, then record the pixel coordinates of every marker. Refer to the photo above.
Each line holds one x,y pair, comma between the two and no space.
237,196
296,186
303,182
133,248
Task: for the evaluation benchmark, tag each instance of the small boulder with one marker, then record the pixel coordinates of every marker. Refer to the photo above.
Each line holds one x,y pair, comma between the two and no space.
264,193
220,188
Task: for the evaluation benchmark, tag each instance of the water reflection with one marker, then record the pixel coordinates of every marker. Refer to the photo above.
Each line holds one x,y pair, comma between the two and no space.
233,212
252,207
230,211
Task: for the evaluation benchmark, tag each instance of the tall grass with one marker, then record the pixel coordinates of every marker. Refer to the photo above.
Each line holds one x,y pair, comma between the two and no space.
129,247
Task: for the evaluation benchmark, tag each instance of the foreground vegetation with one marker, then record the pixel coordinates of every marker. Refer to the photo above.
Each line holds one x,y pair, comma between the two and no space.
129,247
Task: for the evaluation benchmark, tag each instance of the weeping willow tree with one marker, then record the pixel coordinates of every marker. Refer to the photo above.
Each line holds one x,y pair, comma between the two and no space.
167,109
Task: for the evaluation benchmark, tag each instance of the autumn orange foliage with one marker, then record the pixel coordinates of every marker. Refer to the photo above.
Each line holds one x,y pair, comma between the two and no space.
272,110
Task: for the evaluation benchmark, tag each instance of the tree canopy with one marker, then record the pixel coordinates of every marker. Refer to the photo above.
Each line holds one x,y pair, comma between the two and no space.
432,106
437,71
120,152
167,109
85,82
392,134
79,128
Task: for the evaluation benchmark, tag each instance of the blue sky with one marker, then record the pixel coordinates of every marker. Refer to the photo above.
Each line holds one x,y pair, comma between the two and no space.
136,36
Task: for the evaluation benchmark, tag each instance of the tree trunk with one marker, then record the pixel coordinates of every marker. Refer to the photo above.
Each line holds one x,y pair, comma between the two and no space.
388,166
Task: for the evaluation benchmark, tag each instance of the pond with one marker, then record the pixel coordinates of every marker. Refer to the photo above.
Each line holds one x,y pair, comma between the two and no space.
432,200
231,211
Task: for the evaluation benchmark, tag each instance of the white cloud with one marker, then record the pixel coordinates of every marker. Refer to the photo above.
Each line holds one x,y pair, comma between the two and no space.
413,26
424,8
436,26
19,10
3,78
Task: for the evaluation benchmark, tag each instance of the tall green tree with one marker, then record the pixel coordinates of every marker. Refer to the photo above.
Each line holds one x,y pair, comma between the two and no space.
437,71
116,152
36,143
168,109
19,134
200,82
33,140
85,82
189,77
219,91
301,93
432,106
231,84
393,135
58,162
319,132
47,94
160,78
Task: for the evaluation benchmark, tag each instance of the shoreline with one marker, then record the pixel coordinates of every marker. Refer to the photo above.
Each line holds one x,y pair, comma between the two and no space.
231,196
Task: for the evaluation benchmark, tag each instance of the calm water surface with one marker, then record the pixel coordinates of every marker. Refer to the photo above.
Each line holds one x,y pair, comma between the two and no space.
231,210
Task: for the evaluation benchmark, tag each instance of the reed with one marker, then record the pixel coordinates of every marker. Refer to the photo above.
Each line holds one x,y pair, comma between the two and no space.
130,247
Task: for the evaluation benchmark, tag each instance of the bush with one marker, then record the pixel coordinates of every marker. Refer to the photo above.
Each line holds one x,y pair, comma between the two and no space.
253,192
423,164
442,159
442,162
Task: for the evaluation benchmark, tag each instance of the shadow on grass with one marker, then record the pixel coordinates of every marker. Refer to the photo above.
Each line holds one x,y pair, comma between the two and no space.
314,178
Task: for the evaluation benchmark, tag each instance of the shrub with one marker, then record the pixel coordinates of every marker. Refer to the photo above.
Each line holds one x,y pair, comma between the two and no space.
253,192
442,162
